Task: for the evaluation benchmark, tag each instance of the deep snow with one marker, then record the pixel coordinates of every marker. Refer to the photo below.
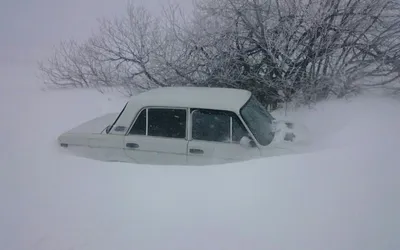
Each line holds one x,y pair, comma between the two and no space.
344,195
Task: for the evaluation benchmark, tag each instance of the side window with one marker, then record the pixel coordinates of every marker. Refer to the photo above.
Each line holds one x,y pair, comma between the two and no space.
210,125
167,122
139,128
219,126
238,129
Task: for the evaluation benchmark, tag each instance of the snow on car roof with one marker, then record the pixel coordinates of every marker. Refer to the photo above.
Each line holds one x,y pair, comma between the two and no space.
194,97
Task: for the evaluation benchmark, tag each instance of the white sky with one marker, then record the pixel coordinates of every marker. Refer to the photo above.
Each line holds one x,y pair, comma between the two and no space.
30,28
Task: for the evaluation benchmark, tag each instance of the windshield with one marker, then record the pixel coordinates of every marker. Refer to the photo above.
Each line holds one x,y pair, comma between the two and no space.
258,120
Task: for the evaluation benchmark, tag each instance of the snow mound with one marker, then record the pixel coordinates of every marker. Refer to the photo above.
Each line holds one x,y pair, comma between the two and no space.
343,195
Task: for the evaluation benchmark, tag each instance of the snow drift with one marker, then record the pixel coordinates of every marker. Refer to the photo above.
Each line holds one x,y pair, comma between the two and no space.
345,194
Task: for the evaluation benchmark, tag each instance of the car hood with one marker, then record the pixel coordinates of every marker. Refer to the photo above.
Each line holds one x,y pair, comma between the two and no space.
94,126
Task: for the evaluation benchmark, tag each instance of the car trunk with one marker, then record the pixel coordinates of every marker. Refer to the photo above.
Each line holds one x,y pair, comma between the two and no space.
94,126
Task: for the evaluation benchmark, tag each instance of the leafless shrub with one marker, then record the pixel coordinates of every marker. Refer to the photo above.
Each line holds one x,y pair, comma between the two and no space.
303,50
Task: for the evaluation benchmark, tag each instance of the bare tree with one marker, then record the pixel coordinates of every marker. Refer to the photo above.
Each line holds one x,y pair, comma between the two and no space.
304,50
121,54
311,48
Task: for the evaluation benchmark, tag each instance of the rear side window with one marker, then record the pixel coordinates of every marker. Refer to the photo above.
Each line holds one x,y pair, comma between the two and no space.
161,122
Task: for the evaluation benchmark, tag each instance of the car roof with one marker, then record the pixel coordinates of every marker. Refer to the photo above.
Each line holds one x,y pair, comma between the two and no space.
193,97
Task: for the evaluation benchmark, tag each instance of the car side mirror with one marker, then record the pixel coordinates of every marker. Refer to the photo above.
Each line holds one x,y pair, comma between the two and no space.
246,142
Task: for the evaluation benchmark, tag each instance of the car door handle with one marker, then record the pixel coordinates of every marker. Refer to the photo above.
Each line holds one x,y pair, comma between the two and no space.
132,145
196,151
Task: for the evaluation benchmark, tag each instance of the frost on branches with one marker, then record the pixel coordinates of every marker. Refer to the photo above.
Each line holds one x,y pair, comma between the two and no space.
294,50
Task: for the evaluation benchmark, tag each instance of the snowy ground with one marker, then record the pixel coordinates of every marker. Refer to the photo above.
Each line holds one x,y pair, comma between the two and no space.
345,195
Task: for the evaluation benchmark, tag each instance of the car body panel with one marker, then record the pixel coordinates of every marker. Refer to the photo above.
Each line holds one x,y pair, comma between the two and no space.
156,150
182,97
89,140
107,138
94,126
207,152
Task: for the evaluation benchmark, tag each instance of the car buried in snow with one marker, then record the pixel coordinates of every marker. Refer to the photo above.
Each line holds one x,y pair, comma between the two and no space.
185,126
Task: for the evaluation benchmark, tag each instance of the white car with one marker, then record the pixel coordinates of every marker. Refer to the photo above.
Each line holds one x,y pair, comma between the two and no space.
184,126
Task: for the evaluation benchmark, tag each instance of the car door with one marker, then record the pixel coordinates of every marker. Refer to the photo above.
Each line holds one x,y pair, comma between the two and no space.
158,136
215,138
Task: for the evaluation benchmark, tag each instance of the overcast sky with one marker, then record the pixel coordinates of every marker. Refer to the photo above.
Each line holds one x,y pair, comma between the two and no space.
29,28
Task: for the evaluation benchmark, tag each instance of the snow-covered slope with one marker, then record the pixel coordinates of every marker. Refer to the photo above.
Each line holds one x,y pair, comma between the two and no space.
344,195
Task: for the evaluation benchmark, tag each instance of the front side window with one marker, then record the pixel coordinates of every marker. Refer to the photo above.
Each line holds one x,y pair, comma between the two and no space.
139,127
218,126
258,120
160,122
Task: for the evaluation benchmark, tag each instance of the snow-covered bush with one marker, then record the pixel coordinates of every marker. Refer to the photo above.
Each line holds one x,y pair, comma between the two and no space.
295,50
